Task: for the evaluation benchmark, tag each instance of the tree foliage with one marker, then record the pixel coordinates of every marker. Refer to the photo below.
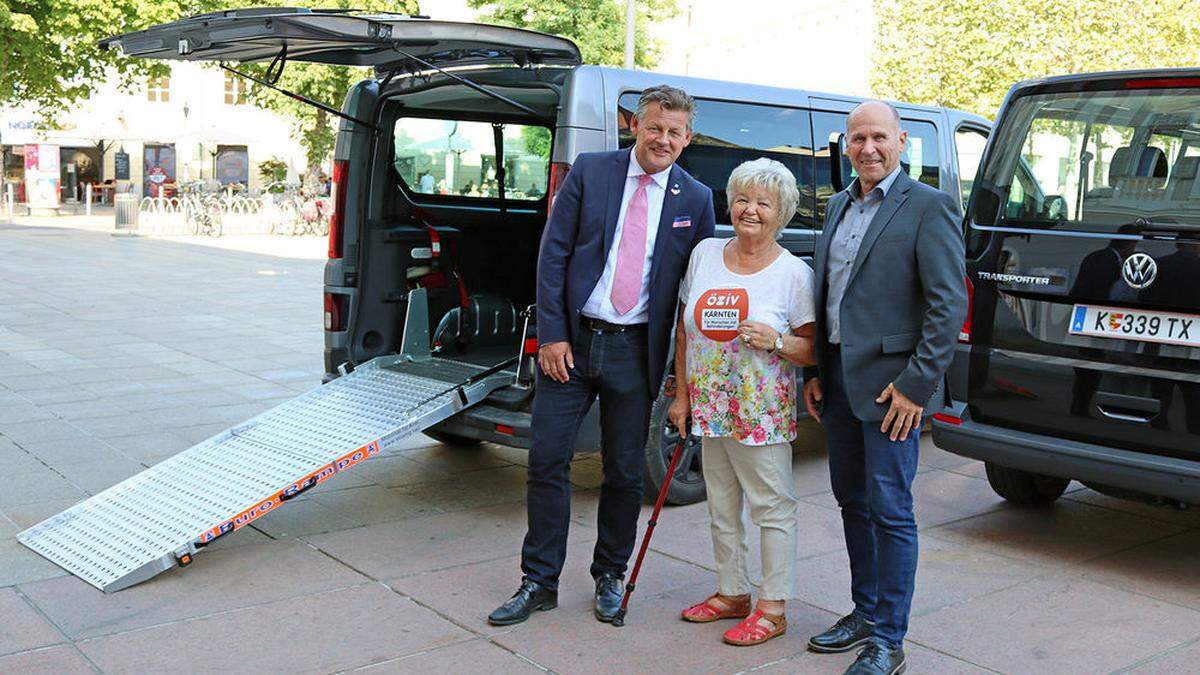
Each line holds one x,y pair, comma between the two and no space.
597,26
966,54
50,57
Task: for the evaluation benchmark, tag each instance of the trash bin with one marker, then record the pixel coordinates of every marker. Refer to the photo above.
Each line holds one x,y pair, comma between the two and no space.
126,206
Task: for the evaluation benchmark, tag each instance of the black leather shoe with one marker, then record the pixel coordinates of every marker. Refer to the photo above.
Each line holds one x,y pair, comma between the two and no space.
849,632
608,596
878,659
531,596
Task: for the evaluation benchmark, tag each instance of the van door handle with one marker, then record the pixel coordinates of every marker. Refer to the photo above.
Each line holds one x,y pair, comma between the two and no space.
1127,408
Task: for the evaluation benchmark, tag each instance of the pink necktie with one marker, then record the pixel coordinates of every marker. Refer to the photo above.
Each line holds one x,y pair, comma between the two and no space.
631,252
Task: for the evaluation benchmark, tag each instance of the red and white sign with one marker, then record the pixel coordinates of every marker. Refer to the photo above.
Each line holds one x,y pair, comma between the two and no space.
719,311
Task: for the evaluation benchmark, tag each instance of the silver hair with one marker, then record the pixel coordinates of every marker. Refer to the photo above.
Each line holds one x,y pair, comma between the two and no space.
668,98
873,101
769,174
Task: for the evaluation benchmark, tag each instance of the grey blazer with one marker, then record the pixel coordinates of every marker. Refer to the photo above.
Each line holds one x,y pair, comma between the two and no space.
905,301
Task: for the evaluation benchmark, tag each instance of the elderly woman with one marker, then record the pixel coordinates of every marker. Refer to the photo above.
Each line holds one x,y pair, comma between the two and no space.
746,318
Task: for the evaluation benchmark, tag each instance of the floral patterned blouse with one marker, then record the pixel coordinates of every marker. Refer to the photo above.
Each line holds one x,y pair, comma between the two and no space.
735,390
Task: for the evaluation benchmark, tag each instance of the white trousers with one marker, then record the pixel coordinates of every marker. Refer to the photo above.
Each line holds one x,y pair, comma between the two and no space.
760,476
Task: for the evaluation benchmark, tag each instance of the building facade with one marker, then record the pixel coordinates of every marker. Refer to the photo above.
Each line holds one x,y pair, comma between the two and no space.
151,139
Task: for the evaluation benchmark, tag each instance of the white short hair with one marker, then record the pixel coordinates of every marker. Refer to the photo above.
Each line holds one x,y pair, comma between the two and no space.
769,174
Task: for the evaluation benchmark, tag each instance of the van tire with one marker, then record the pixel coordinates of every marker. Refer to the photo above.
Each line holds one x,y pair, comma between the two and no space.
1025,488
452,439
687,487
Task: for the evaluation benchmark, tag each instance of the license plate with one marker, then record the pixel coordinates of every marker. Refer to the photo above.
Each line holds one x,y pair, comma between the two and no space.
1132,324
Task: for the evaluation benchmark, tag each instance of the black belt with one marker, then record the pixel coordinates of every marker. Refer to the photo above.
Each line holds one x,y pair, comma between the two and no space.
602,326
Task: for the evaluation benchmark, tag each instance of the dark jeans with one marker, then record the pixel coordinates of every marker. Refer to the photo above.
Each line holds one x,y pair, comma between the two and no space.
613,367
872,481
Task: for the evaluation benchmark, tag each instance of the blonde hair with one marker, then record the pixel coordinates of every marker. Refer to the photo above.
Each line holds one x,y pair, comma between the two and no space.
769,174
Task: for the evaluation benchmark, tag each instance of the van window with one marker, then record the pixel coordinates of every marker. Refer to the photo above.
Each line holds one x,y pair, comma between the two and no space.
1094,161
727,134
920,158
968,144
457,158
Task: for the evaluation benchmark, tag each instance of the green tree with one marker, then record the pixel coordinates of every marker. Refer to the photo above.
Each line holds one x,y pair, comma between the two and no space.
50,57
966,54
597,26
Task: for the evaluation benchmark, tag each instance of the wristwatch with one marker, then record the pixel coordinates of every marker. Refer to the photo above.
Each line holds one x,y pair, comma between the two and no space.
778,344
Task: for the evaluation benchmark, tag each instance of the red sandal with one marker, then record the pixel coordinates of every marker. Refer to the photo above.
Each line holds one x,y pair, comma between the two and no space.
751,632
705,612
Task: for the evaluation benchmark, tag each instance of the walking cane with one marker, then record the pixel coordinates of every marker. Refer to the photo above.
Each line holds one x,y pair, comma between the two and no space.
619,619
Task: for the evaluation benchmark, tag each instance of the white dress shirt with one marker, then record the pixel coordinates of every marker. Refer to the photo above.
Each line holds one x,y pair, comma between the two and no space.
599,304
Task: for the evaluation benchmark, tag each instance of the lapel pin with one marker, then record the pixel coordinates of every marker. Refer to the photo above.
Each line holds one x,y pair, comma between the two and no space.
675,189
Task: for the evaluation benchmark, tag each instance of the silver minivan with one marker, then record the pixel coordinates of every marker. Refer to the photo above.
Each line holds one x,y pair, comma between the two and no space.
448,157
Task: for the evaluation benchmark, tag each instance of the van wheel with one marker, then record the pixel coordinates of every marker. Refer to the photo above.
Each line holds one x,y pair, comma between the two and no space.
687,487
452,439
1023,487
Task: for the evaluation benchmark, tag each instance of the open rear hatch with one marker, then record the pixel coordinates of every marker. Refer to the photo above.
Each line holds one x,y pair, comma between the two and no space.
1086,312
387,42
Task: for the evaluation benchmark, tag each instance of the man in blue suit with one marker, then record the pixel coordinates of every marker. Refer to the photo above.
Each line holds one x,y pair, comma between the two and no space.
614,250
891,298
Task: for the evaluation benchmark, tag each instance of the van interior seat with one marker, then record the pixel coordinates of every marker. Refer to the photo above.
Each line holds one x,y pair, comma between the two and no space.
1183,178
1138,182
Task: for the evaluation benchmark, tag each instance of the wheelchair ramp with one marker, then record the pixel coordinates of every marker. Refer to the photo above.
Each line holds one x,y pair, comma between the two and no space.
163,516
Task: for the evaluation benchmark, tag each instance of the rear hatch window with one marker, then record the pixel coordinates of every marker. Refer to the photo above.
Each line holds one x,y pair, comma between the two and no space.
1092,161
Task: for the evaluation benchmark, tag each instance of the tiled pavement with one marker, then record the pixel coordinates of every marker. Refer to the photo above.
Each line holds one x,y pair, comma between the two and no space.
118,352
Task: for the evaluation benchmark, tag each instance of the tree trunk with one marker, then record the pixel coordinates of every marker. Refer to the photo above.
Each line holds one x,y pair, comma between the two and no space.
316,155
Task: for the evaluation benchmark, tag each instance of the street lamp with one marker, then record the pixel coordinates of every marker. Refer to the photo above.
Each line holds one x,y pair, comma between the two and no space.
630,17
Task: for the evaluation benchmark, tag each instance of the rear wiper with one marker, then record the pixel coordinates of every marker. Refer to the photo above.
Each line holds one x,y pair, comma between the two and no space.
1150,226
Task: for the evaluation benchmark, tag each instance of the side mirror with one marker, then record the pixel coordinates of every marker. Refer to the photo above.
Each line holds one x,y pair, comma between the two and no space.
1055,207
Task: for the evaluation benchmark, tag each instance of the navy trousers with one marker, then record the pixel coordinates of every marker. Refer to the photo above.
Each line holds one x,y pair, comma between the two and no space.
872,481
613,367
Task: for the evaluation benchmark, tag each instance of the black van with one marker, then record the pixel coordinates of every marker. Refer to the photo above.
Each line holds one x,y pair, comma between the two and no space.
1081,356
448,157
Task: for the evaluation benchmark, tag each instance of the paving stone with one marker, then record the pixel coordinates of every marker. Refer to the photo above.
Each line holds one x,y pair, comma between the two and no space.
463,658
374,504
1061,624
153,445
1064,533
947,574
1165,569
20,565
395,549
8,529
218,581
1180,660
326,632
22,412
73,451
23,628
37,486
41,430
468,593
471,489
456,459
60,660
1189,517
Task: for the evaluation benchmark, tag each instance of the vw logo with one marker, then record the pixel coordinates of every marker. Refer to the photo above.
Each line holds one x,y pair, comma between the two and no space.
1139,270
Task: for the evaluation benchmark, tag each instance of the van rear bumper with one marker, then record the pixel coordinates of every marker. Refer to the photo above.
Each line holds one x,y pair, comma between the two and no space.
1170,477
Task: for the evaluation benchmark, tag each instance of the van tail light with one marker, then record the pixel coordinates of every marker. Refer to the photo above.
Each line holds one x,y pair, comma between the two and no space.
965,334
335,312
948,419
531,346
1162,82
338,219
558,174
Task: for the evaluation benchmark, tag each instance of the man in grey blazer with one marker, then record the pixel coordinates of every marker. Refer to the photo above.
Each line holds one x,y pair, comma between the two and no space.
891,299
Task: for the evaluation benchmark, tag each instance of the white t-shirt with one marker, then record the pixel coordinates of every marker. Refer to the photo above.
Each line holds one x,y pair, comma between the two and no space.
735,390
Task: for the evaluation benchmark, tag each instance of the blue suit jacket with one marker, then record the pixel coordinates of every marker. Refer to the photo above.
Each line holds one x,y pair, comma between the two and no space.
579,235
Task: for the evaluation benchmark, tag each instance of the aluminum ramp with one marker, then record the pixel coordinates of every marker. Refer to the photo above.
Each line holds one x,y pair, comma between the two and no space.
161,517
